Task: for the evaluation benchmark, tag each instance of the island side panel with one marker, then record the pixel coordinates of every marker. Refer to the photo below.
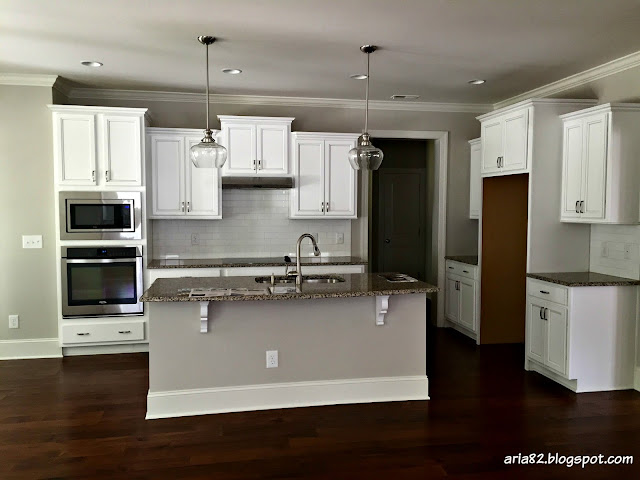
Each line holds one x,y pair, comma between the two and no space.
322,339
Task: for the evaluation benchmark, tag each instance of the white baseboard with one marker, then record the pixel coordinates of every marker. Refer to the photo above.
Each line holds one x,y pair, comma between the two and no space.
30,348
105,349
636,379
179,403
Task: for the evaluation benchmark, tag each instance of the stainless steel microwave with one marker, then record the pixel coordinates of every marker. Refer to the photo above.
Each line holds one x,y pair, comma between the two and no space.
100,215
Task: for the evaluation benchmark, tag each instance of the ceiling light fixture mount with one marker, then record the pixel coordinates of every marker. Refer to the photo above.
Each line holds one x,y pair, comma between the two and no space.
92,63
208,153
365,156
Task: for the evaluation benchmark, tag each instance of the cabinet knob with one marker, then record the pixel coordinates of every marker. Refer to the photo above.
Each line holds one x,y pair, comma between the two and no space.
106,175
388,240
188,206
182,206
124,331
93,176
326,207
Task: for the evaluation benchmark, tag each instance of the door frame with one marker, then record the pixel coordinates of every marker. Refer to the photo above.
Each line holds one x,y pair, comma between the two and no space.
439,217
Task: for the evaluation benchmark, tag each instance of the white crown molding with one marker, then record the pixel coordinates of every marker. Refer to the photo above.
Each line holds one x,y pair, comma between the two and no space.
158,96
529,102
27,79
615,66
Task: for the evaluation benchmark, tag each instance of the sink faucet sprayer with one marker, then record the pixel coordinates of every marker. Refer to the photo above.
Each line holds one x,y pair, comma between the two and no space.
316,252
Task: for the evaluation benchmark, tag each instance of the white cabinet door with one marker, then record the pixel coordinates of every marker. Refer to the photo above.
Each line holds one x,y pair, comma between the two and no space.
76,149
536,330
595,166
308,192
515,141
452,300
167,170
240,142
467,291
203,187
492,135
121,150
572,169
272,149
556,352
340,180
475,181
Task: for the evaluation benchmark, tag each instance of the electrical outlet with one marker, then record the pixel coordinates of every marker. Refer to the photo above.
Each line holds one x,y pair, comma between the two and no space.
627,251
339,237
14,321
272,358
604,253
31,241
195,239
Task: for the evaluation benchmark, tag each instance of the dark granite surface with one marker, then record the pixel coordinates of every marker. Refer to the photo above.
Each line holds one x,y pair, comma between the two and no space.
355,285
584,279
468,259
250,262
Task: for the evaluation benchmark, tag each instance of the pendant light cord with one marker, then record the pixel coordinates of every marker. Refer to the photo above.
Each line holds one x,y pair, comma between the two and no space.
207,63
366,107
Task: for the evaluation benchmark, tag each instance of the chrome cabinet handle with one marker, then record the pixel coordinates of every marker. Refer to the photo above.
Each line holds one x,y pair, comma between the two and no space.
82,334
541,311
182,206
577,203
581,206
498,162
546,314
106,175
465,271
188,206
254,164
259,164
322,207
450,268
93,176
544,291
124,331
327,207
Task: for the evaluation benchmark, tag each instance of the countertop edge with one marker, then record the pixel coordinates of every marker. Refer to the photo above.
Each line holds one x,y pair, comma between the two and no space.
614,283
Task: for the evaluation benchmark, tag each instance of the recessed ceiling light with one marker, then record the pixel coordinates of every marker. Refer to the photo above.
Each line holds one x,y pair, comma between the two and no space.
358,76
404,97
91,63
477,81
232,71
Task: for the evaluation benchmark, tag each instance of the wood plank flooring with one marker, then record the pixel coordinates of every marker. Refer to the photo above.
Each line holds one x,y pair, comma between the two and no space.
83,418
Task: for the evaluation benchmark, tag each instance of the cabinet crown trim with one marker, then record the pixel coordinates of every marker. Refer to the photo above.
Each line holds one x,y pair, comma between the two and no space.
533,102
475,141
86,109
324,135
244,119
604,108
177,131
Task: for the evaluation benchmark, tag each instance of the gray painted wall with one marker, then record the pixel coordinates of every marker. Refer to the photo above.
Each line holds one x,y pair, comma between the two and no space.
27,277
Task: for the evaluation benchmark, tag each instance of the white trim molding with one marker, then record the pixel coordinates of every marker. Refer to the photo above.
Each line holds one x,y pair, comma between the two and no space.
180,403
159,96
636,379
610,68
30,348
27,79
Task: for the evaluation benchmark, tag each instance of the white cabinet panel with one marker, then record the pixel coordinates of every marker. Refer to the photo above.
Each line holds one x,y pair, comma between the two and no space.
115,332
168,175
515,141
556,355
76,148
475,179
492,134
272,149
467,291
340,179
309,178
122,152
203,188
240,141
572,169
536,330
452,300
595,166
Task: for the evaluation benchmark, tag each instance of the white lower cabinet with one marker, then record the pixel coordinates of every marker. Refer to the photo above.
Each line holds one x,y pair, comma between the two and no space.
462,297
103,333
581,337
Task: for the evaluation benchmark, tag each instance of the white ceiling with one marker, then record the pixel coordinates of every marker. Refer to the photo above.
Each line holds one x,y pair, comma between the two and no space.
308,48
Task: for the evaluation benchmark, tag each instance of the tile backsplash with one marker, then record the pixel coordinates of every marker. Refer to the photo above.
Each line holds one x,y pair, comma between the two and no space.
615,250
255,223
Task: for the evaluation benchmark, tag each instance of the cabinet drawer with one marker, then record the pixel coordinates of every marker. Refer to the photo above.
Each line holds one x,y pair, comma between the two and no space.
462,269
548,291
103,332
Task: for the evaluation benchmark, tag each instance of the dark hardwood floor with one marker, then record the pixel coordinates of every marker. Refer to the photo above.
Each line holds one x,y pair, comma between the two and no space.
83,417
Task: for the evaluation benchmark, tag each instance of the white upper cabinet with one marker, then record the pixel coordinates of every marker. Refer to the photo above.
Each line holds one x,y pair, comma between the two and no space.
256,146
600,172
325,185
98,146
178,188
505,142
475,178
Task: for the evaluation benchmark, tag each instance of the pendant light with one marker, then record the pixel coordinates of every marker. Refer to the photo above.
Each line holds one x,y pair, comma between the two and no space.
208,153
365,156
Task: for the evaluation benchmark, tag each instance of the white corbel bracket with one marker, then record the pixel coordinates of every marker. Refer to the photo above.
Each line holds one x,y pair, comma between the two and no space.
382,306
204,317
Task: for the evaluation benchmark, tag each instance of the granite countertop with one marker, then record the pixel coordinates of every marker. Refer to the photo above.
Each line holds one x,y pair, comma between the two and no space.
250,262
355,285
468,259
584,279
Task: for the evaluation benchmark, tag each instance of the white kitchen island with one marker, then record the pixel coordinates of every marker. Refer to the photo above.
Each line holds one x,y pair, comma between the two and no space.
361,340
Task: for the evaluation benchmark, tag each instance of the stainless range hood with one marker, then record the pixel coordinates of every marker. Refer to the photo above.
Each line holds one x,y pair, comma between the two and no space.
273,183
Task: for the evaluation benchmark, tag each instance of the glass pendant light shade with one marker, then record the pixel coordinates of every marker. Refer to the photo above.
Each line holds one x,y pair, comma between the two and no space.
365,156
208,153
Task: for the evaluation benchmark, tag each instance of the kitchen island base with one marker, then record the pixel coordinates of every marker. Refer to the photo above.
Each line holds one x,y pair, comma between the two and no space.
331,351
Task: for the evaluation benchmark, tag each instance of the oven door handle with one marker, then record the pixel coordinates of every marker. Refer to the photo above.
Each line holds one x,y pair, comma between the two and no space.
100,260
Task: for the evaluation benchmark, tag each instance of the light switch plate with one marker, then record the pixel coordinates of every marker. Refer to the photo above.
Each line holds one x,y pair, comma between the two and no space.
32,241
14,321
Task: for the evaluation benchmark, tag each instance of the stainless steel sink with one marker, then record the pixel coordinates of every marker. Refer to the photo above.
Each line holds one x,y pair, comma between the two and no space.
281,280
